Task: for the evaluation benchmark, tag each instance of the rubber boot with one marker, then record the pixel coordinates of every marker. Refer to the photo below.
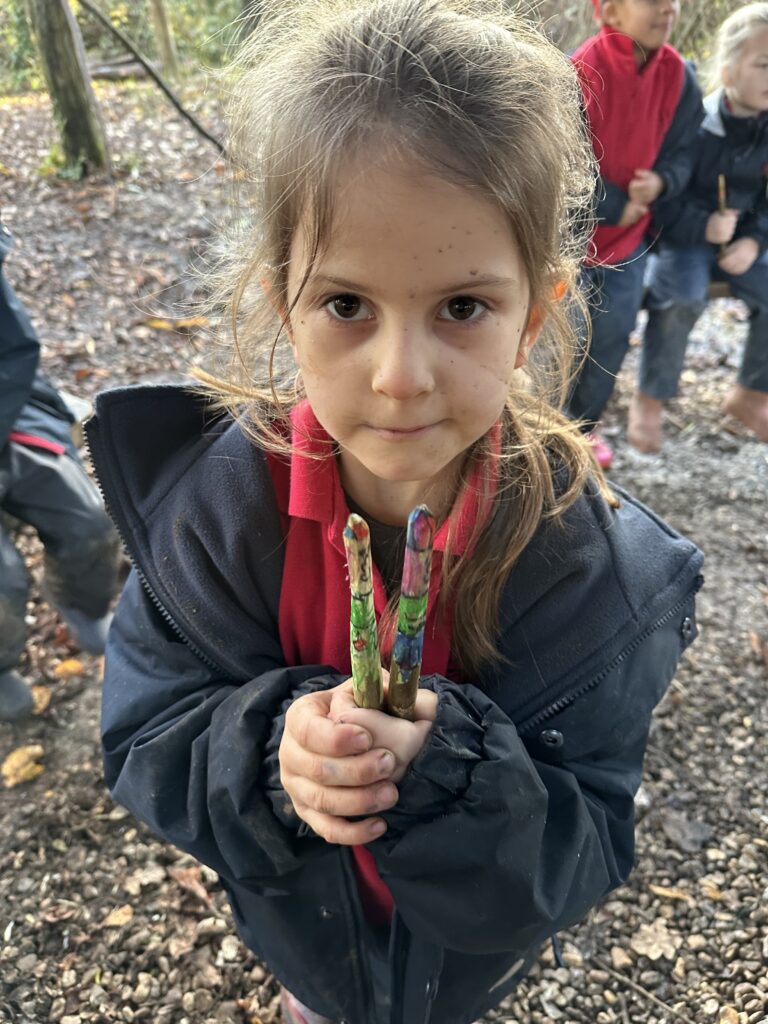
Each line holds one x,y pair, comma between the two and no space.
15,697
88,634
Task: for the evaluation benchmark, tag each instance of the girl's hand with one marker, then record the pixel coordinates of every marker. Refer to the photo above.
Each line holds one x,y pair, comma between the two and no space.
739,256
645,187
333,770
632,213
721,226
405,739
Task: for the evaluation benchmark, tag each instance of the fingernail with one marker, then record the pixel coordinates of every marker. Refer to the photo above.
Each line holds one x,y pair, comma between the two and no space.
378,829
386,764
361,741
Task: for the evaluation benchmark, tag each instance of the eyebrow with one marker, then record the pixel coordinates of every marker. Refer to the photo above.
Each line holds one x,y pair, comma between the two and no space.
476,281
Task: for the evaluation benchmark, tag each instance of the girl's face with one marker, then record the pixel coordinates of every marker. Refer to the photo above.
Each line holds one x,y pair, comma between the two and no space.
746,83
408,332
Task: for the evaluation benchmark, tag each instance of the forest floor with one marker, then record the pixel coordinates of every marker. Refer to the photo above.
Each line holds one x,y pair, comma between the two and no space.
101,922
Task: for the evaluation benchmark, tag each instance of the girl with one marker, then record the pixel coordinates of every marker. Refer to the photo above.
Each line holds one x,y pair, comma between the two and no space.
419,177
703,243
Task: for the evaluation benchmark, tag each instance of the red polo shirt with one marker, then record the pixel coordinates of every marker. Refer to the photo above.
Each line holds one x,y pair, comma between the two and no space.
314,599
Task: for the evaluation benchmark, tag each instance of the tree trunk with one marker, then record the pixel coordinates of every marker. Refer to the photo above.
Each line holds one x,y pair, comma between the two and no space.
62,56
166,46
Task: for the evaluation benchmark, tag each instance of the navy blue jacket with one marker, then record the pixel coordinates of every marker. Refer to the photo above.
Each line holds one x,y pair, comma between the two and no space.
736,147
28,401
516,817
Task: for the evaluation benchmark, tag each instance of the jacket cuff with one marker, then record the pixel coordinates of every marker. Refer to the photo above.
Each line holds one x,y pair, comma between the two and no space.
273,787
442,771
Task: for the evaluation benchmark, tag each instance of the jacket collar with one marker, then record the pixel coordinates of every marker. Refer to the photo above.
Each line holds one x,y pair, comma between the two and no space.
713,115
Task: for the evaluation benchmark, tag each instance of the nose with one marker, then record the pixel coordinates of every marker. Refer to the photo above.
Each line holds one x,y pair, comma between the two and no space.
403,362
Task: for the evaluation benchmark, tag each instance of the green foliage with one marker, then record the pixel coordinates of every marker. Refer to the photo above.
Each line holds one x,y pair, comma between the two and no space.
54,165
205,32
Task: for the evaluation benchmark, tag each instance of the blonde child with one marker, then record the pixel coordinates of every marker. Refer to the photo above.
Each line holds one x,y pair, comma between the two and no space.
702,243
419,176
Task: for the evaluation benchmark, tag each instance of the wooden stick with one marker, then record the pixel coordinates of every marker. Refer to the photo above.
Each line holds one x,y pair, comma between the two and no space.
405,667
722,203
368,687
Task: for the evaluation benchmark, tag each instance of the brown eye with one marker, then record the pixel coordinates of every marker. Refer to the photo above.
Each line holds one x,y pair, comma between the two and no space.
346,307
462,307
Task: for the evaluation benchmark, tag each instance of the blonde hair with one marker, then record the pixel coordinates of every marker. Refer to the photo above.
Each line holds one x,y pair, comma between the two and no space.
481,99
732,37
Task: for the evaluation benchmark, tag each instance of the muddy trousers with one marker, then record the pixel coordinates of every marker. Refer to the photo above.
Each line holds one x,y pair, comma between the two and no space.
53,494
679,283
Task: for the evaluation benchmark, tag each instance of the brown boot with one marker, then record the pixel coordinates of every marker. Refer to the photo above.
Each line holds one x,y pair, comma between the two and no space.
750,408
644,428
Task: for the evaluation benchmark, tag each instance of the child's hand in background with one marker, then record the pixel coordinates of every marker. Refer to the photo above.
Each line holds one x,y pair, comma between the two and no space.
739,256
632,213
645,187
721,226
332,770
405,739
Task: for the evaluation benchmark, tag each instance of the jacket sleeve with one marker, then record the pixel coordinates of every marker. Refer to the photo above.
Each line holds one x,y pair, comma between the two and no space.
19,355
610,201
674,162
682,220
498,841
754,223
184,747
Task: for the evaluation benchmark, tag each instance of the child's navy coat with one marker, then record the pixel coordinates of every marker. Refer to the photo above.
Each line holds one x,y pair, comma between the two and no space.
517,816
736,147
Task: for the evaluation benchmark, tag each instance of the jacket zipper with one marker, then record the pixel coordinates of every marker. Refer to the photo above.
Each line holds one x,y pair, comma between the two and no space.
169,619
359,971
563,702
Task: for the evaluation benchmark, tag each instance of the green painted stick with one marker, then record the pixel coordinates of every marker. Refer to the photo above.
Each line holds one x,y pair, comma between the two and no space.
405,667
367,682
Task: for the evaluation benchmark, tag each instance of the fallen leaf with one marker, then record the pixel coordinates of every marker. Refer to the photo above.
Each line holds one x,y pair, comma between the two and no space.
656,941
119,917
670,894
712,892
20,765
189,880
41,698
69,668
180,324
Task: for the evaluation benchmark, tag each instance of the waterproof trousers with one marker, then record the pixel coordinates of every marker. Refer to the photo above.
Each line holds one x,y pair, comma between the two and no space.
53,494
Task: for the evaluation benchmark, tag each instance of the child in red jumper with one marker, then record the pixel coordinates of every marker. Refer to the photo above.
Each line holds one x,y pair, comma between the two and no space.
411,241
643,107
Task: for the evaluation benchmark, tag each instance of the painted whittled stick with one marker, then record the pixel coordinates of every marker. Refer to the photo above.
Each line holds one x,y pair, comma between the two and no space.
363,637
722,203
405,667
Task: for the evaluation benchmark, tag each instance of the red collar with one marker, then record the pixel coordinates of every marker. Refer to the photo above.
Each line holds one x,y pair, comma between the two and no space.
315,490
623,46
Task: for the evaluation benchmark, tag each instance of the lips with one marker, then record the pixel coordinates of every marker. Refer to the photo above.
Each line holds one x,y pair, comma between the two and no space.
400,431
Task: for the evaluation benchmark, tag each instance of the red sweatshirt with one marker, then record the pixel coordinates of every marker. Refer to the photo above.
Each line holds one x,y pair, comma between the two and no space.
630,110
314,599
